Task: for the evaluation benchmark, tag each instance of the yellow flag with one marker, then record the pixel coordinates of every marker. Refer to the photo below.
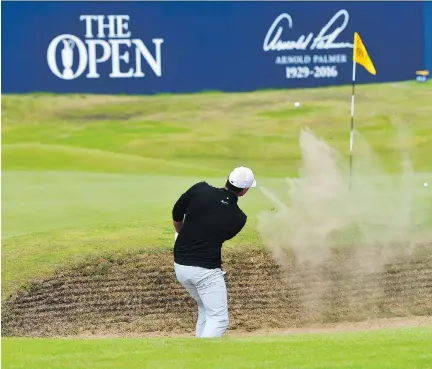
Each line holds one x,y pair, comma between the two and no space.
361,56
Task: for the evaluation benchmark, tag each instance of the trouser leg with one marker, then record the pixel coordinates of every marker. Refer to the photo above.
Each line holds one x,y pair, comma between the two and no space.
183,278
201,319
213,293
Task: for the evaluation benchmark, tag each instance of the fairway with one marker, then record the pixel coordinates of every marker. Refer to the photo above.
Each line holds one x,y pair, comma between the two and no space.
395,349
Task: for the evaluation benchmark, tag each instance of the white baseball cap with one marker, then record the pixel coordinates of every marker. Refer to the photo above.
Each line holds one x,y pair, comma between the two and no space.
242,177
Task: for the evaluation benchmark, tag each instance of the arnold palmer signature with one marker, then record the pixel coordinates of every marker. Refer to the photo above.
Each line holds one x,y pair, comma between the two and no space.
323,41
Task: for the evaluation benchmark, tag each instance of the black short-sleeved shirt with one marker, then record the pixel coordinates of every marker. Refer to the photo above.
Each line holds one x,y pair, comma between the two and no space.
212,217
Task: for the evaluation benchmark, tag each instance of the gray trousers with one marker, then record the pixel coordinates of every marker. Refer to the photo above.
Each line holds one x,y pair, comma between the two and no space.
208,288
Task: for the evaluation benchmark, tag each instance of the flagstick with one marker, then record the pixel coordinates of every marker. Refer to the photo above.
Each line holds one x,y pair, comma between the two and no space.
352,122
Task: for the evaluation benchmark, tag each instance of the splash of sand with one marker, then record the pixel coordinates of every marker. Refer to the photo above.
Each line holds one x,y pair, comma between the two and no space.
378,218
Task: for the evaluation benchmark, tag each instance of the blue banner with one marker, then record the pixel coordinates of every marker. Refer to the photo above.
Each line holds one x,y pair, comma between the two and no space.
155,47
428,35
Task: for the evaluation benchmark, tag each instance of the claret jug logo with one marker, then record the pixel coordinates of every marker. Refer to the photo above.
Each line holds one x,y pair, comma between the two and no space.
108,42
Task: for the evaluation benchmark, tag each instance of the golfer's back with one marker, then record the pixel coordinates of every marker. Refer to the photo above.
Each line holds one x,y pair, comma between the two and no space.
212,216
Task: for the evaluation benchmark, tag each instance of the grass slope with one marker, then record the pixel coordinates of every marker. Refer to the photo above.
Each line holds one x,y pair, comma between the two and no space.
395,349
99,174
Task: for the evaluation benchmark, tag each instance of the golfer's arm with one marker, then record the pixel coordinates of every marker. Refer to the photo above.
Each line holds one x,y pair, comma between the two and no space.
177,226
179,211
238,229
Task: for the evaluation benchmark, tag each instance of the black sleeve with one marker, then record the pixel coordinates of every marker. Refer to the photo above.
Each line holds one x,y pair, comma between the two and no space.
239,225
181,205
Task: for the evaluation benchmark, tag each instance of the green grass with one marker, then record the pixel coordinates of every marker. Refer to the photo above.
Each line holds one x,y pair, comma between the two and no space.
392,349
86,175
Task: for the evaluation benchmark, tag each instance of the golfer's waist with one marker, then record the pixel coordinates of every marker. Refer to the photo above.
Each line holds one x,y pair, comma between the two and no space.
198,261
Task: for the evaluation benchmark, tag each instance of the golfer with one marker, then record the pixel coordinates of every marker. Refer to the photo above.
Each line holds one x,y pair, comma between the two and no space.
204,217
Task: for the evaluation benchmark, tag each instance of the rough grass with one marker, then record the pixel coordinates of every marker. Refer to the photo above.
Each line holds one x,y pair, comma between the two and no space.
94,175
217,130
